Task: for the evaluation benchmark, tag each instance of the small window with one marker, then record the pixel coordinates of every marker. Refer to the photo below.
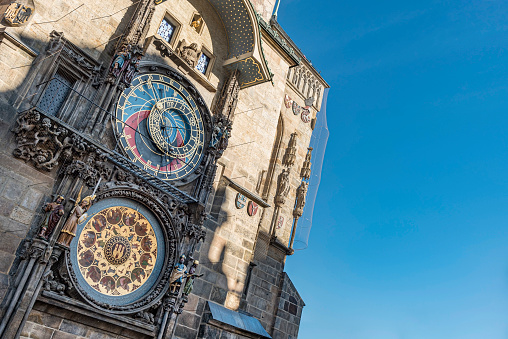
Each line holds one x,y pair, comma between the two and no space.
166,30
197,23
203,62
55,94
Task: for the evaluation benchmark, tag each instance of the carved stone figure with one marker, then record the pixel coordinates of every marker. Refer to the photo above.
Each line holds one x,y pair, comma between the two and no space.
50,284
68,232
220,135
282,187
145,316
301,193
177,275
190,278
189,53
43,142
54,211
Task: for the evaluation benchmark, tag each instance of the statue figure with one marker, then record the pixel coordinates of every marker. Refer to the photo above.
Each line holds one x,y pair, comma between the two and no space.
78,215
190,278
196,24
119,62
125,64
132,68
301,193
282,187
176,278
189,53
54,211
216,136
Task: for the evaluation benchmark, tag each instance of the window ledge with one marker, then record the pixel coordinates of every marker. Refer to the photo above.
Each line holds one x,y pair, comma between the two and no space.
167,51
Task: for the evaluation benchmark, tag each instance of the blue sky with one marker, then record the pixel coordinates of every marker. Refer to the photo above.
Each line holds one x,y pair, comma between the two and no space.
410,236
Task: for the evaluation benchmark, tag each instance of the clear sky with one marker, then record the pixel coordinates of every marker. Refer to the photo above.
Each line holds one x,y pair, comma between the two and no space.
410,236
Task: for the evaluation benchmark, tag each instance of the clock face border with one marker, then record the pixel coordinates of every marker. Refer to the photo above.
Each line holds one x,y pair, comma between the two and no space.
79,249
156,285
151,158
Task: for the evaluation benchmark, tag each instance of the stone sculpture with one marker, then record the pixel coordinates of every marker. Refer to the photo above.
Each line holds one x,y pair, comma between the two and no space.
189,53
177,275
54,211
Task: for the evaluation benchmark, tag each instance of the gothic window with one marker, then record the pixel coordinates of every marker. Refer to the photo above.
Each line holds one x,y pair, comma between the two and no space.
203,63
56,93
166,30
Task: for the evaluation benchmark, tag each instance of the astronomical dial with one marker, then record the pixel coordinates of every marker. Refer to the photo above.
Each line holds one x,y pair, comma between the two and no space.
160,126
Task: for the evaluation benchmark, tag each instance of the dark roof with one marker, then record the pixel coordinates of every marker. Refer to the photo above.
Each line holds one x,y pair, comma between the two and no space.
238,320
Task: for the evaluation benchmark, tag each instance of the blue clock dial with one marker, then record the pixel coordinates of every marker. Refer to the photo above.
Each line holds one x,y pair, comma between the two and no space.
160,127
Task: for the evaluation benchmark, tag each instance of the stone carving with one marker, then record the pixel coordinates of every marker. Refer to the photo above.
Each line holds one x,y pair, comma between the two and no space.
54,211
282,187
189,53
55,42
17,14
145,316
90,170
125,64
301,193
305,172
50,284
224,113
78,215
309,101
290,155
163,48
43,142
140,23
220,135
179,271
228,99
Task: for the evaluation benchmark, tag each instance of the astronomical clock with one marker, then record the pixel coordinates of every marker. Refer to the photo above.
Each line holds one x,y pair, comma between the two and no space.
160,127
120,256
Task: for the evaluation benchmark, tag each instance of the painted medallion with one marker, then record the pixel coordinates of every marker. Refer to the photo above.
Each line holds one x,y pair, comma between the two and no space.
306,115
280,222
116,251
240,201
252,208
297,109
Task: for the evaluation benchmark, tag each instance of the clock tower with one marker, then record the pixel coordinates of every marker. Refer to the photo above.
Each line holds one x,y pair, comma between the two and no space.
155,165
